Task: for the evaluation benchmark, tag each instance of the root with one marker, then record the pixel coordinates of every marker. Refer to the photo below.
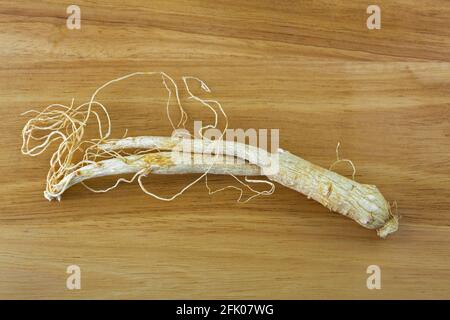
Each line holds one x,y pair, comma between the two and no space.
78,159
66,125
339,160
140,166
241,191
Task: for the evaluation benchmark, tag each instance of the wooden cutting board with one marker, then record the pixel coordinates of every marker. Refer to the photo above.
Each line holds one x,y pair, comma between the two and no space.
309,68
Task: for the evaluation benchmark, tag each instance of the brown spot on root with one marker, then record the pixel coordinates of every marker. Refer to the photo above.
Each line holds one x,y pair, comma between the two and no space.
330,189
158,159
169,145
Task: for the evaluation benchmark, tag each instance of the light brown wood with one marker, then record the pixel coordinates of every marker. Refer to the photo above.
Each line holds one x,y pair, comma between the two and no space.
309,68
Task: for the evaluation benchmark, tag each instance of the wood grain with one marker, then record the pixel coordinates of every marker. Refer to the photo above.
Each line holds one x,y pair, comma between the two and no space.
309,68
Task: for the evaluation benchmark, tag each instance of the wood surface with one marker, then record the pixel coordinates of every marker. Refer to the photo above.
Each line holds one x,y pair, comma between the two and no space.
309,68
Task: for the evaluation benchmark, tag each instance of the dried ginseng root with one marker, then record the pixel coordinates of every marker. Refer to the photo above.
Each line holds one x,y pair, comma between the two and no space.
144,155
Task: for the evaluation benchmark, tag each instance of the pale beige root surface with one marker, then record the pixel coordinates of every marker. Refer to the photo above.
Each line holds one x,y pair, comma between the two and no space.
360,202
66,124
155,163
250,153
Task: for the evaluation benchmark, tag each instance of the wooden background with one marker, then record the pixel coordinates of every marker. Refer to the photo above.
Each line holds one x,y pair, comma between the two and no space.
311,69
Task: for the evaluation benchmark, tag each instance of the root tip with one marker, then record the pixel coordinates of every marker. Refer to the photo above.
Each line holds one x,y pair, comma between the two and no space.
391,226
50,197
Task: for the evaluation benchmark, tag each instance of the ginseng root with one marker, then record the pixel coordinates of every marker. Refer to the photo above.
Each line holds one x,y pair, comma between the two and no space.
78,159
360,202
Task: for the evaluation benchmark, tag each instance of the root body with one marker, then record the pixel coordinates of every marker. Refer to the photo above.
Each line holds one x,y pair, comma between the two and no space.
155,163
360,202
103,156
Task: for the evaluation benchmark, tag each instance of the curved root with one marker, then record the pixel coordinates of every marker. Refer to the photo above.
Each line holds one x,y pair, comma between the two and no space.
78,159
